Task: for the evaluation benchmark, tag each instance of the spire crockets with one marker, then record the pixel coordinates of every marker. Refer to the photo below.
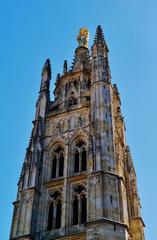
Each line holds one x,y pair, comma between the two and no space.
99,37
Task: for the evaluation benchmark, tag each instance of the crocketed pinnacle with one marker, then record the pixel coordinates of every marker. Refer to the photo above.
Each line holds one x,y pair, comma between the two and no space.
47,67
65,67
99,36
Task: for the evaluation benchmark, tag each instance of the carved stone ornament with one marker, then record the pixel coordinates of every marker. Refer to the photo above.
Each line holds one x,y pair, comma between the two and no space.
111,181
27,197
94,181
52,140
52,191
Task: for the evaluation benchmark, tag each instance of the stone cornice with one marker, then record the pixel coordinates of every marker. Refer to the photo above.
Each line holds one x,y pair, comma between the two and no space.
138,219
23,237
109,173
105,172
103,81
71,236
80,176
31,188
54,182
110,221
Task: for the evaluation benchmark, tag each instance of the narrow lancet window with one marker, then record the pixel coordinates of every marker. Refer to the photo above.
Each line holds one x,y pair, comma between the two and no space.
55,211
54,163
76,166
50,217
61,165
84,160
83,209
75,211
58,215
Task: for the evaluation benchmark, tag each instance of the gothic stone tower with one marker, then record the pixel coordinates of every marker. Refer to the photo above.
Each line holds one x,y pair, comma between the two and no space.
78,180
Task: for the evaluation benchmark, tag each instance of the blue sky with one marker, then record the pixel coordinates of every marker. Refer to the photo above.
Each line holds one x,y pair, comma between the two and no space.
34,30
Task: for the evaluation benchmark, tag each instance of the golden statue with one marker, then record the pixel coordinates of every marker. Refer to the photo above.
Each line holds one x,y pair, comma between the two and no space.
82,38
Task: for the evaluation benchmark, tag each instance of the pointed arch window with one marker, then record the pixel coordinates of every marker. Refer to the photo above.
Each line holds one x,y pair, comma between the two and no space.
57,163
55,211
79,205
80,157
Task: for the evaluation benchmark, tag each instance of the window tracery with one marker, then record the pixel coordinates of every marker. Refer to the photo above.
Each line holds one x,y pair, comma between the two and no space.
80,157
57,163
79,205
54,211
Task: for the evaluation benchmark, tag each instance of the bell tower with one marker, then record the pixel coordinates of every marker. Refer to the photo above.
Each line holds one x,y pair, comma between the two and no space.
78,180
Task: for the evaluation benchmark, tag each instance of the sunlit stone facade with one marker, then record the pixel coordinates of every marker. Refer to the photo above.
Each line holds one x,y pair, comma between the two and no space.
78,180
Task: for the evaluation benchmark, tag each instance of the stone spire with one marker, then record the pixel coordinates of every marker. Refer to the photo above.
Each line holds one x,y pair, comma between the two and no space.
100,55
99,37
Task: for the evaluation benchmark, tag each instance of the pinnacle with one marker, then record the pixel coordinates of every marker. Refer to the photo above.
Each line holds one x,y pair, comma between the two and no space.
47,66
47,63
99,36
65,66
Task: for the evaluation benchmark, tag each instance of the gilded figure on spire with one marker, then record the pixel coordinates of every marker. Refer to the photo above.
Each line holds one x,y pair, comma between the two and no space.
83,37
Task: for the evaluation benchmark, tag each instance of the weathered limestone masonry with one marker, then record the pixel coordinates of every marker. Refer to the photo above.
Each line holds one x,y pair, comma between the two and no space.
78,180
